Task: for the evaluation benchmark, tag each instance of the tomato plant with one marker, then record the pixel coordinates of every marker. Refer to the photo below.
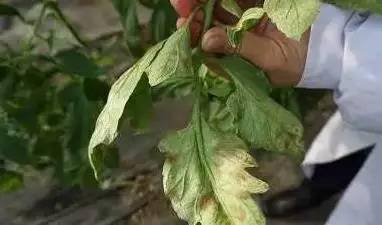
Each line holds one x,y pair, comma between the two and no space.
50,98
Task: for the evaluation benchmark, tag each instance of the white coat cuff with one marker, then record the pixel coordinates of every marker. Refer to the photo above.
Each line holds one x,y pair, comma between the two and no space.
325,53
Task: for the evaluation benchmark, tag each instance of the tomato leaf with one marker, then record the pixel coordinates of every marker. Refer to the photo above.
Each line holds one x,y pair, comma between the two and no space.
260,120
163,21
204,176
129,18
76,63
106,129
174,59
292,17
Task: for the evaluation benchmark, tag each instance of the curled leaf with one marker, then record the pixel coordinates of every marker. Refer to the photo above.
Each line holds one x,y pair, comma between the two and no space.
106,129
173,60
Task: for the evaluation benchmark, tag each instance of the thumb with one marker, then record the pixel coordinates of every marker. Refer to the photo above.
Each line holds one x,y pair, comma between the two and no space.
254,47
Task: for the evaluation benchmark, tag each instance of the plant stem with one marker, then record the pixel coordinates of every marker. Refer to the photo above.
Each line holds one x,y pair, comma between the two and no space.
53,6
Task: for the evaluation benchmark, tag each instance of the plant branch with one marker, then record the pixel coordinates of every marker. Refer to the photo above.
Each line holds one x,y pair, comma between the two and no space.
53,5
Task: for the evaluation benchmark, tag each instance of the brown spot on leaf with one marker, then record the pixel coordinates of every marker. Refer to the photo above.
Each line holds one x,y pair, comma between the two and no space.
207,202
171,158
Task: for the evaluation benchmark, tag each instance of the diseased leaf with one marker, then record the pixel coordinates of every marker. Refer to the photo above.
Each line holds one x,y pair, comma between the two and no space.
10,181
204,176
260,120
174,59
175,87
106,129
219,116
374,6
247,21
292,17
232,7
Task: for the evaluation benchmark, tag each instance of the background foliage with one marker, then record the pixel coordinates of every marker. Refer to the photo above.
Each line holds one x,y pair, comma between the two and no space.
51,91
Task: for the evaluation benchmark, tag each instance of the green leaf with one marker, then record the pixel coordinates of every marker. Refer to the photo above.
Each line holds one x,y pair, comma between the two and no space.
4,72
260,120
374,6
163,21
127,10
139,107
247,21
7,10
81,119
174,59
10,181
204,176
13,147
106,129
74,62
50,150
232,7
292,17
95,89
287,97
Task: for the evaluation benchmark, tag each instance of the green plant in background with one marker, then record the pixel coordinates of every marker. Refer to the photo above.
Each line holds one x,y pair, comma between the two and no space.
49,99
51,90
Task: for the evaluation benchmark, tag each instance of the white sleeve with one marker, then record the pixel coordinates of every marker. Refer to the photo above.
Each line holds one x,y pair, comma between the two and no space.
345,55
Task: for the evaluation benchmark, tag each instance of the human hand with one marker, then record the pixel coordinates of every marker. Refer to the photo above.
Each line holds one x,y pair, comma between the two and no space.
283,59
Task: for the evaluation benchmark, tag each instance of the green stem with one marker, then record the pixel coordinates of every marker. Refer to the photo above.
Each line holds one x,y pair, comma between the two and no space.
53,6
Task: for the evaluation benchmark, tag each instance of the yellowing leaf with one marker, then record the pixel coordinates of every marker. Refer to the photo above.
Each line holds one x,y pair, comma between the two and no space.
106,129
174,59
204,176
261,121
232,7
248,20
292,17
